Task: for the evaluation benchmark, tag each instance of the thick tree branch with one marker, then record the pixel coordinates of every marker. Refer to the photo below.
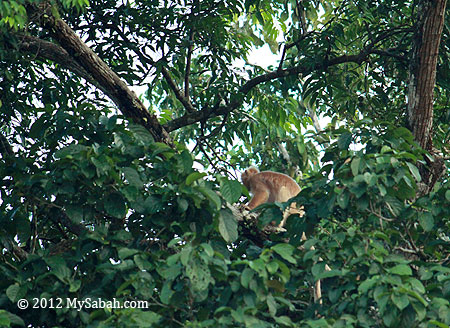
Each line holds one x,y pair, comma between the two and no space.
48,50
204,114
184,99
126,100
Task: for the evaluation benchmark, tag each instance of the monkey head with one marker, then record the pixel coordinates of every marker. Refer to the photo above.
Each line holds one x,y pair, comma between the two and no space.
248,173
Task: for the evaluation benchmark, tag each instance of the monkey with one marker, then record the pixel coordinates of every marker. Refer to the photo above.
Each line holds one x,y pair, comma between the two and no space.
269,186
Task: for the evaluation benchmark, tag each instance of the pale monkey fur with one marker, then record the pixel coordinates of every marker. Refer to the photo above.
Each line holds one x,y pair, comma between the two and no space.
267,187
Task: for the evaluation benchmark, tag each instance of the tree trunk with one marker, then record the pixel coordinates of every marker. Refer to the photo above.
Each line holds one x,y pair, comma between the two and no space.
422,80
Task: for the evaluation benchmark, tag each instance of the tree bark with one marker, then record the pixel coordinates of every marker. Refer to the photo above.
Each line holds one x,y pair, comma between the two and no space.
422,81
116,89
422,77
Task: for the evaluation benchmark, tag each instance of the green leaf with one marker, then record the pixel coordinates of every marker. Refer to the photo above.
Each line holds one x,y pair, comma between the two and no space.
208,249
159,147
185,161
394,204
141,134
355,165
70,150
211,195
166,292
284,321
8,319
319,323
194,177
74,285
246,277
132,177
228,226
115,205
152,204
145,318
401,269
125,252
62,272
368,284
401,301
199,274
344,140
75,213
272,305
447,195
272,267
39,127
414,171
102,164
171,272
404,133
426,221
4,319
417,285
15,292
230,190
438,323
259,266
420,309
285,251
343,199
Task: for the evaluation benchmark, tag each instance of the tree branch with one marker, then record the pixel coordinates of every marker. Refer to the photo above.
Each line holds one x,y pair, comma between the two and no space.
188,66
238,100
218,109
184,101
48,50
116,89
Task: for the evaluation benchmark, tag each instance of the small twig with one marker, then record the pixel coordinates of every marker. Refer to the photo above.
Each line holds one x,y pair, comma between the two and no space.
406,250
411,241
208,158
186,103
391,210
216,130
283,55
35,231
188,65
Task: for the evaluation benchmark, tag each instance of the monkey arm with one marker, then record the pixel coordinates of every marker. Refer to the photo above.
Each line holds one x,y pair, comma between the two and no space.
260,196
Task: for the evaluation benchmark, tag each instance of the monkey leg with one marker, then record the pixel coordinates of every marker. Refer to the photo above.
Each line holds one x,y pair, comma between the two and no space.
260,196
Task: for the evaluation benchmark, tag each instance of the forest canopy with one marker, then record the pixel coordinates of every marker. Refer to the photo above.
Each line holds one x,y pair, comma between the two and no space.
125,126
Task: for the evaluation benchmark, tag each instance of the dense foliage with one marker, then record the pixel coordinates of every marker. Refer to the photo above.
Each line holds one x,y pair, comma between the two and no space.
93,208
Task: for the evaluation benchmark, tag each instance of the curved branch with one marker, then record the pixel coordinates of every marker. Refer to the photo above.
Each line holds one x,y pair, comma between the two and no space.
206,113
116,89
191,118
47,50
